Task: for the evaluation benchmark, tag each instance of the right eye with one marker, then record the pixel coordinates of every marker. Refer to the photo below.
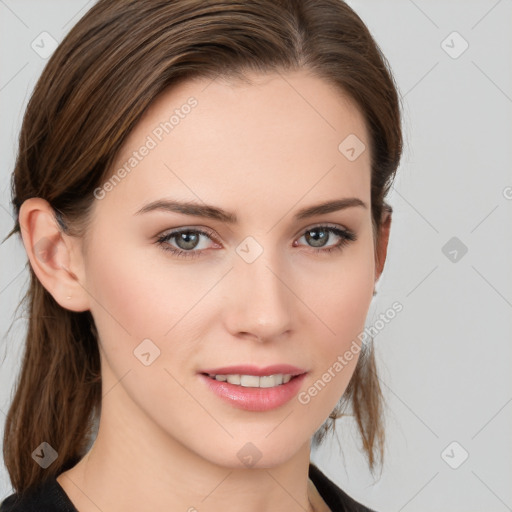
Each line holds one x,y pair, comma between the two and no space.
186,239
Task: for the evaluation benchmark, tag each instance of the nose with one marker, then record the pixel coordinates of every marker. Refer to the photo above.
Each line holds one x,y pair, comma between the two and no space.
260,302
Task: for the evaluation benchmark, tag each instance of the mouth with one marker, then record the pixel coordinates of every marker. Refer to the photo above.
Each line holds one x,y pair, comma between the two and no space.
254,389
254,381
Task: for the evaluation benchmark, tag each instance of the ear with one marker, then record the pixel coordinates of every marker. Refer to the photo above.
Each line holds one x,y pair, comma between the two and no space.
54,256
382,241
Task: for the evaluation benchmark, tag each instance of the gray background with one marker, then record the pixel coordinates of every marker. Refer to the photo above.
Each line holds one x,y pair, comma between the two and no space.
445,360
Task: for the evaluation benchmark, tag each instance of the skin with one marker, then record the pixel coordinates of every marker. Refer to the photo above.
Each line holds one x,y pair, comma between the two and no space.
262,151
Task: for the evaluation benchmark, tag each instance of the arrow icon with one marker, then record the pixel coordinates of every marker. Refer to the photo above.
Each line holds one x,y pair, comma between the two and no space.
454,249
249,253
249,454
454,455
44,455
146,352
454,45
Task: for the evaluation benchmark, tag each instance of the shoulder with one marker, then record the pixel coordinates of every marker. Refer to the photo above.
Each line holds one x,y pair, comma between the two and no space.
335,498
47,496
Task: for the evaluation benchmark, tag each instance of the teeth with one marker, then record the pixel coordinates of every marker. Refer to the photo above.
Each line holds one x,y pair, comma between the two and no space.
234,379
253,381
267,381
247,381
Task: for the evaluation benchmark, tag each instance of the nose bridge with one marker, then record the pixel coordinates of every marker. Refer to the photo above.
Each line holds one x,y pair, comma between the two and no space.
261,300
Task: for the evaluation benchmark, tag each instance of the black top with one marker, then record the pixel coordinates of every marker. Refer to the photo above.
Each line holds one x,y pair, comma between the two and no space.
49,496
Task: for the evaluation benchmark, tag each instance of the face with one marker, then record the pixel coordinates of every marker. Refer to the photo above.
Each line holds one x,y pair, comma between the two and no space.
196,308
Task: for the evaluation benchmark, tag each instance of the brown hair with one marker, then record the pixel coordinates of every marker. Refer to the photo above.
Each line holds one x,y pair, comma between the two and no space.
91,94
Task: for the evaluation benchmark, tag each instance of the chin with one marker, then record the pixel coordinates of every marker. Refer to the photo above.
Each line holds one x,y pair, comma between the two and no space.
255,452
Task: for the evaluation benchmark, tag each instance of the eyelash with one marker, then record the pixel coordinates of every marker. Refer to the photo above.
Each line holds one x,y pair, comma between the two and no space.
345,235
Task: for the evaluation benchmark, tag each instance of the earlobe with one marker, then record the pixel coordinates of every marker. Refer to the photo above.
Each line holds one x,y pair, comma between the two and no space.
382,241
52,254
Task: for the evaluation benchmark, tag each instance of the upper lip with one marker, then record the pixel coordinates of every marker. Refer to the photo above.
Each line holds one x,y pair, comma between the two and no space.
247,369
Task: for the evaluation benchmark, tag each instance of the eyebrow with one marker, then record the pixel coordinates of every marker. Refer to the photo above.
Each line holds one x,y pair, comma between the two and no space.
213,212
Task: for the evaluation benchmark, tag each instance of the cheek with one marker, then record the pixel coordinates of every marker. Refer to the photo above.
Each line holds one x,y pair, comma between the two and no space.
340,309
128,289
343,294
138,309
142,296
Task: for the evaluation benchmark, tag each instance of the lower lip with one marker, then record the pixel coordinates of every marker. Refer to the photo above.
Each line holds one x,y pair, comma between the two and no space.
255,399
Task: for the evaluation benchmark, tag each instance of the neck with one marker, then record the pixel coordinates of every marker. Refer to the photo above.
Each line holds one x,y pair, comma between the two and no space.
135,465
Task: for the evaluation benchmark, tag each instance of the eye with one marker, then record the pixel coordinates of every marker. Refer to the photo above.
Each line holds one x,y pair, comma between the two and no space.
318,236
188,240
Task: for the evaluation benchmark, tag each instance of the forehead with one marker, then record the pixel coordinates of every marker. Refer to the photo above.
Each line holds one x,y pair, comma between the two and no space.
279,139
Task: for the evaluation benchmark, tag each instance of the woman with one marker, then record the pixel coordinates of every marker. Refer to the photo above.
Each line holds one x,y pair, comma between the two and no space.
200,188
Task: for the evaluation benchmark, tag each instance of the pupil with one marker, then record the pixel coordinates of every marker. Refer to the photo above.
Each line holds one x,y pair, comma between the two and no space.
188,238
318,238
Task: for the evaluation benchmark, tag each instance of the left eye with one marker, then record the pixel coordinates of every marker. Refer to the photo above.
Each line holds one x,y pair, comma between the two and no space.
320,234
188,240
